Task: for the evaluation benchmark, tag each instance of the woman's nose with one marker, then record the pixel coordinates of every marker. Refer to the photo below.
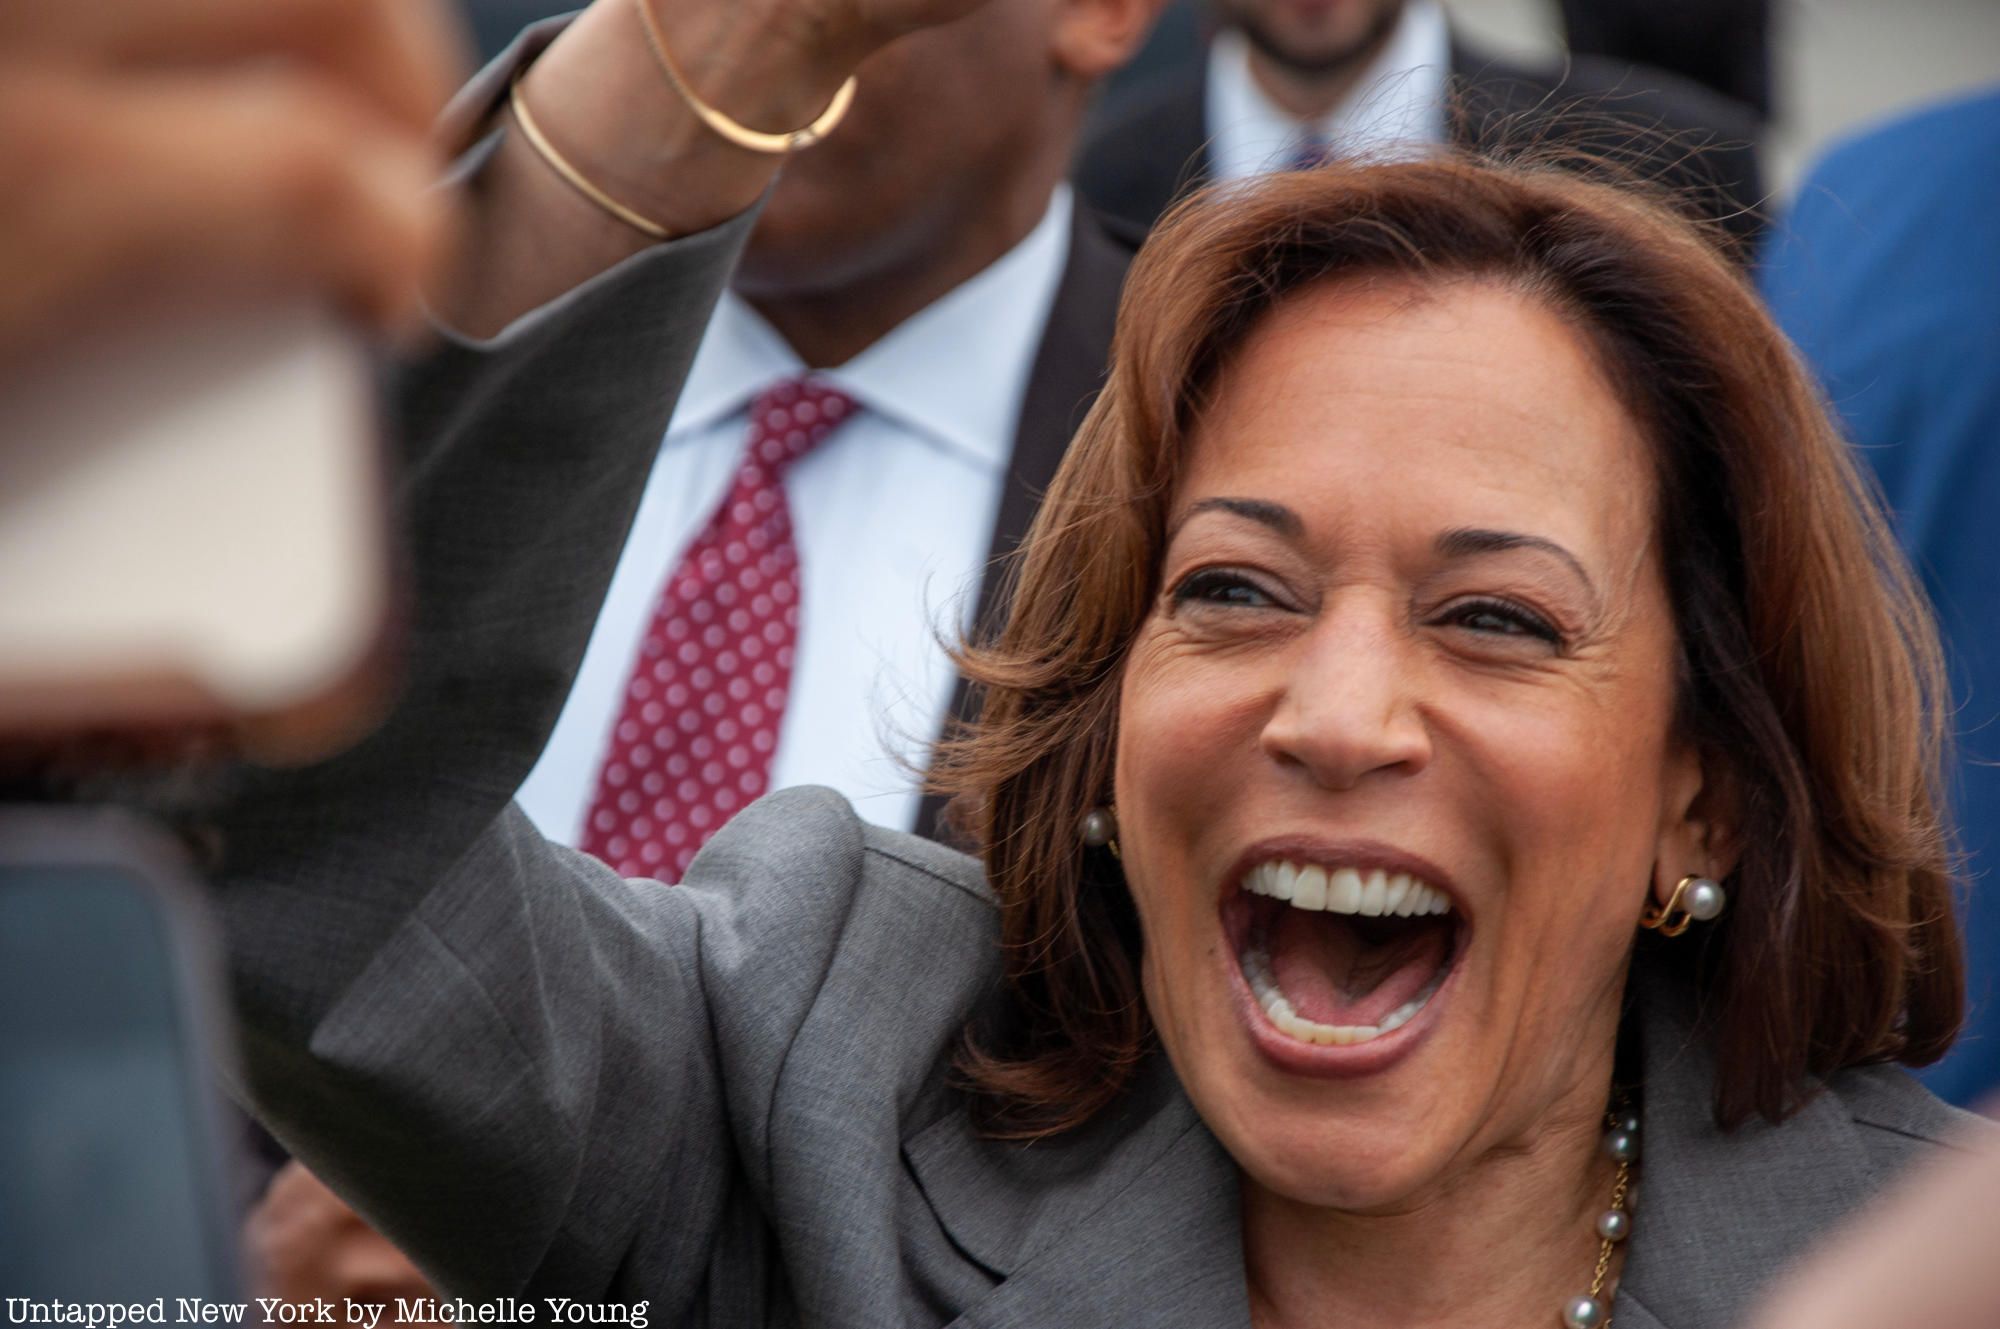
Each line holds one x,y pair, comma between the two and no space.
1350,707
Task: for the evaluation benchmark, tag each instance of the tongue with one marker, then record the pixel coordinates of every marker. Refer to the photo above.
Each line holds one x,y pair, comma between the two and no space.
1332,975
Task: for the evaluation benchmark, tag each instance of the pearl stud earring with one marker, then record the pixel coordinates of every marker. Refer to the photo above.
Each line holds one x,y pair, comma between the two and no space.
1695,899
1099,829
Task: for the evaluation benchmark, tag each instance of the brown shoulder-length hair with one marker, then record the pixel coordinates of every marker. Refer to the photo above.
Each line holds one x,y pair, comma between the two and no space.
1810,674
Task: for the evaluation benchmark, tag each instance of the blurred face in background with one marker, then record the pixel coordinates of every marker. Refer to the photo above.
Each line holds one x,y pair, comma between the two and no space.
957,134
1309,37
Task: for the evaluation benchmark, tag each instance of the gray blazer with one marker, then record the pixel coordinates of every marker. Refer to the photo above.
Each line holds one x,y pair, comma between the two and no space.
729,1098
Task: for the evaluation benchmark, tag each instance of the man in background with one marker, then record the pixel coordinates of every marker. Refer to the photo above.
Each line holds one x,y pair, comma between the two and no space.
1887,275
1290,83
926,310
924,294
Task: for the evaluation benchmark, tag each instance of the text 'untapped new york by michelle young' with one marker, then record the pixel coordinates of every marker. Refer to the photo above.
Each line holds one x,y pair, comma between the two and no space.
325,1310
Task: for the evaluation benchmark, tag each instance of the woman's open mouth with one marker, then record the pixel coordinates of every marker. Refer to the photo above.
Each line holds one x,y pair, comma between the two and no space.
1339,956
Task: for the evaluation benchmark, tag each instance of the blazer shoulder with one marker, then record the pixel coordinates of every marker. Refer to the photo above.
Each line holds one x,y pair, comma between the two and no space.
1145,148
1609,90
1898,1117
812,841
798,873
1696,148
1678,102
841,964
901,861
1913,158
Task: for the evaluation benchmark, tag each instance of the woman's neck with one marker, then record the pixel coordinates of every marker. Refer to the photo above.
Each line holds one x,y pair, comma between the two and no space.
1506,1242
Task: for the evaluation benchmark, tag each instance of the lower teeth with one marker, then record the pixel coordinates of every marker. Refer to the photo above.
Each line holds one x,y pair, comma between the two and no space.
1264,983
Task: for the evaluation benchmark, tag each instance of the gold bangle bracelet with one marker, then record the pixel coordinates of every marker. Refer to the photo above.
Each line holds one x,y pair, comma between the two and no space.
741,135
575,178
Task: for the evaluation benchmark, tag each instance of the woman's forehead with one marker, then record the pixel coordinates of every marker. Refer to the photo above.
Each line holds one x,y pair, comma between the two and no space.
1461,403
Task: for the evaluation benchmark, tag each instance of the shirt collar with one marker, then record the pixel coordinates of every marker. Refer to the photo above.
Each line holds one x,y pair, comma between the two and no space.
954,373
1395,109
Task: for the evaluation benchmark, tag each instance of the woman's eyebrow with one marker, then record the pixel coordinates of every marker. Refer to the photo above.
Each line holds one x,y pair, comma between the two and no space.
1274,515
1467,541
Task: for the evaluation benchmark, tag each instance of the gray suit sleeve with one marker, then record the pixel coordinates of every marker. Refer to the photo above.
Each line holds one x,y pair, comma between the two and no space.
435,1005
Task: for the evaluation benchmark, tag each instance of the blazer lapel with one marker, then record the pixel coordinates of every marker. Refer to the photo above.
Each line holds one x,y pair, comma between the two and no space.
1069,368
1132,1221
1771,1189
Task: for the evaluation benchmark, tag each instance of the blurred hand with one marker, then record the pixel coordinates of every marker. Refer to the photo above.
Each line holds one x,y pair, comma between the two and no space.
1928,1254
229,145
307,1243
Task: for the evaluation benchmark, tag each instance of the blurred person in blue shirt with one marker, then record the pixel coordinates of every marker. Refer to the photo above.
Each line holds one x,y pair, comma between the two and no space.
1887,275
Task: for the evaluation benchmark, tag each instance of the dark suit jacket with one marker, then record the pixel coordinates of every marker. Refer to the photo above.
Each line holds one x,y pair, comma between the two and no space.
1068,370
1149,149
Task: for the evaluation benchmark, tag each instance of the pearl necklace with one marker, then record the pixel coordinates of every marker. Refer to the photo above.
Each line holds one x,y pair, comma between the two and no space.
1621,1145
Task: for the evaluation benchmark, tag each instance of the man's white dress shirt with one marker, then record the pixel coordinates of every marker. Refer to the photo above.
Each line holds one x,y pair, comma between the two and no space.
893,516
1395,110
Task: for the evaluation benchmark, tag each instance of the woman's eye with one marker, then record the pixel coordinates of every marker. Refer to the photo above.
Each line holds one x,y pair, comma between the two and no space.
1221,587
1504,619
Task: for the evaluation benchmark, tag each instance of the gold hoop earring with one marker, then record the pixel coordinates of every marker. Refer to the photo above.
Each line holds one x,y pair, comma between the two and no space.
1695,899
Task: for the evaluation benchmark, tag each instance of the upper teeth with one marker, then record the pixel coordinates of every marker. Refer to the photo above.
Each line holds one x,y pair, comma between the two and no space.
1347,890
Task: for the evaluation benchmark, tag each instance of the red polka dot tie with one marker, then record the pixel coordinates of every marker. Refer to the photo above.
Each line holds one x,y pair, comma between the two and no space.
699,724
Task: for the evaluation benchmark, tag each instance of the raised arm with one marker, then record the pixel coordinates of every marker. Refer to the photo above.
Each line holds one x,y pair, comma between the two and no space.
501,1053
600,97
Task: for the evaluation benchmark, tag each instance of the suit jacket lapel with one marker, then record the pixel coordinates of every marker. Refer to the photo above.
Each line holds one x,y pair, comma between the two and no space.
1069,369
1771,1189
1132,1221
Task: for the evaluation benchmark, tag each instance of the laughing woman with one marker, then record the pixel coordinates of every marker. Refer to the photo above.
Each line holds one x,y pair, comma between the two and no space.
1458,837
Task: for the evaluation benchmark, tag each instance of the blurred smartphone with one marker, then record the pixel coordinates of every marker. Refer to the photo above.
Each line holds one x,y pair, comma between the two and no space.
117,1179
192,533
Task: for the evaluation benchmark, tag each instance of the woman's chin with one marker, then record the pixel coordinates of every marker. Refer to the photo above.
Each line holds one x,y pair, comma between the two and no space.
1357,1171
